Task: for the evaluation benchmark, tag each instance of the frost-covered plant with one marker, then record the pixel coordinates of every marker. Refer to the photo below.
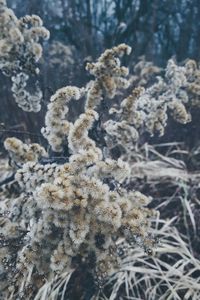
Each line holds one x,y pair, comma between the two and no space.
109,75
20,153
20,51
76,212
147,109
57,126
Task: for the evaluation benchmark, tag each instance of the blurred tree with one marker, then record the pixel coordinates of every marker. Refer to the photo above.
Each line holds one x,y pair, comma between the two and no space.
158,29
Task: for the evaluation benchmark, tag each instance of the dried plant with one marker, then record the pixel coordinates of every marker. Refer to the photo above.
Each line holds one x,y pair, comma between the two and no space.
20,51
74,213
71,206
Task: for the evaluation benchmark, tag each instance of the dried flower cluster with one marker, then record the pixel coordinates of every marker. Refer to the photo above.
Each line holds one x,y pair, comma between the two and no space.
77,209
109,75
21,153
20,50
74,213
193,82
146,109
57,127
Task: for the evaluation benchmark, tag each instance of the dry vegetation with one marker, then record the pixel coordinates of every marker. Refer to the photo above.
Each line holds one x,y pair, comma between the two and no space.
91,207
